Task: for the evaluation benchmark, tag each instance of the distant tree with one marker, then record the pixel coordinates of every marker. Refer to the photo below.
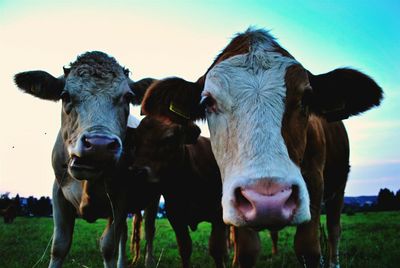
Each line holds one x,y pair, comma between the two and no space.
31,206
397,199
5,196
386,200
4,200
44,207
17,202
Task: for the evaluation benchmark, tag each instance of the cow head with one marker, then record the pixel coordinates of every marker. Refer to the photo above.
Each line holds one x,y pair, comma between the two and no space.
95,92
258,102
159,145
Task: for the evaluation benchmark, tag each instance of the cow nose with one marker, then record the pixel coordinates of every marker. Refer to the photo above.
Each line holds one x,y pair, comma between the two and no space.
146,173
101,143
267,203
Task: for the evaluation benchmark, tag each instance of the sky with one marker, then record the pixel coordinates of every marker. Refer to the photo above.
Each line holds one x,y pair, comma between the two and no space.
181,38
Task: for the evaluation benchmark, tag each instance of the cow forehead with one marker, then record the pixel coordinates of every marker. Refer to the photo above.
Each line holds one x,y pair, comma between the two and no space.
81,85
251,74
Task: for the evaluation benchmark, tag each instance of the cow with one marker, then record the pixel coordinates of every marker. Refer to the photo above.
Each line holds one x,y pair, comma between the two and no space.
277,135
183,168
9,213
91,177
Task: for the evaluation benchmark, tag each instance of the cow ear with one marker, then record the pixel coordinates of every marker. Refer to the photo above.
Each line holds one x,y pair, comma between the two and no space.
139,88
40,84
174,98
192,133
342,93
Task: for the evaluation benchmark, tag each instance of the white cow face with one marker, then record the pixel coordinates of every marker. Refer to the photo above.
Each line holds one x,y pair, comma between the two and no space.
262,186
267,125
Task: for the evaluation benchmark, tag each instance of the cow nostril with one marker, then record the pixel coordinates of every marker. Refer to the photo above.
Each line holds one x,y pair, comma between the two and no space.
241,201
114,145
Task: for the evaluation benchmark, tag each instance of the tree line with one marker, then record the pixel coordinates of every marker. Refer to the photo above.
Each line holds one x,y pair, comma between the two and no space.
385,201
42,207
30,206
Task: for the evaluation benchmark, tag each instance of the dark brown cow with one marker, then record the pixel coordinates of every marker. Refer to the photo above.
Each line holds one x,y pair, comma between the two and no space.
184,168
276,134
87,157
9,213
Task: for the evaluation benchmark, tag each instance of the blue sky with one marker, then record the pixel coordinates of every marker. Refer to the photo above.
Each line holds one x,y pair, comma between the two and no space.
181,38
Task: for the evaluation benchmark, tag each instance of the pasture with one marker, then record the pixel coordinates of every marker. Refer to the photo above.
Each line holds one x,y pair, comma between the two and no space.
369,240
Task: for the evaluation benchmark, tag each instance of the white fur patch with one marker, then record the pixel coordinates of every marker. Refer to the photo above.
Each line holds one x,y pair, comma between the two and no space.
133,121
245,132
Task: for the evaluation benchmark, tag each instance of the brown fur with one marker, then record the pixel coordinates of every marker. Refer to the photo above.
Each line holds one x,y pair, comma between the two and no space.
322,152
179,168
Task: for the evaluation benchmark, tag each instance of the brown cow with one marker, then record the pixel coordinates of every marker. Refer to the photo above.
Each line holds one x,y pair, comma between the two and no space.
9,213
185,168
88,157
273,135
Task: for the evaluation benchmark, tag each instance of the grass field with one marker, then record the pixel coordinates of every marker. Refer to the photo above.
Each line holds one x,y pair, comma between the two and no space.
369,240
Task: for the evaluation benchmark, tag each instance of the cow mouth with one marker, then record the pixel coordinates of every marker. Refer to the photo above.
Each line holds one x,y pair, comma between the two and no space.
84,168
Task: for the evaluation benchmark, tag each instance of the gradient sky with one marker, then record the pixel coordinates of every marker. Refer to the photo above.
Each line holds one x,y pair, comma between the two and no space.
181,38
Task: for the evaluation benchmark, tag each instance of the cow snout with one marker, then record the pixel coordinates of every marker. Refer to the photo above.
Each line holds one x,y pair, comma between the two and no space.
146,173
93,154
101,143
266,203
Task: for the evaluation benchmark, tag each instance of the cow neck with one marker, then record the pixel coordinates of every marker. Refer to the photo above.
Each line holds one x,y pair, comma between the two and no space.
94,202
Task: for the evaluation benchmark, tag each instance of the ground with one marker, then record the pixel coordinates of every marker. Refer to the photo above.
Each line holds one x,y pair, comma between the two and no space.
369,240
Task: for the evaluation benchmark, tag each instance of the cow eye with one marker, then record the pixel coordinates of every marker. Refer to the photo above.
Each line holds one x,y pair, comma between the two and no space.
208,103
129,96
65,97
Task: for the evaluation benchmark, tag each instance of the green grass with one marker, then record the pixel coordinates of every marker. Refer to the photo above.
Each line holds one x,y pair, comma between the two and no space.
368,240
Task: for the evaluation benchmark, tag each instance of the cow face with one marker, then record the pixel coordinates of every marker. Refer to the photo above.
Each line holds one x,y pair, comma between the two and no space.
159,145
259,102
258,108
262,184
95,93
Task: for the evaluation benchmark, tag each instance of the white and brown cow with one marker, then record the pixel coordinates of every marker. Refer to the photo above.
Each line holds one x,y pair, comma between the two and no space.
87,156
276,134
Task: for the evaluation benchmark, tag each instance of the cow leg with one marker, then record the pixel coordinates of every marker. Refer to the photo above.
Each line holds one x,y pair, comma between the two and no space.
333,211
150,215
64,221
109,243
247,247
135,238
274,239
122,245
110,239
217,244
183,239
307,242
